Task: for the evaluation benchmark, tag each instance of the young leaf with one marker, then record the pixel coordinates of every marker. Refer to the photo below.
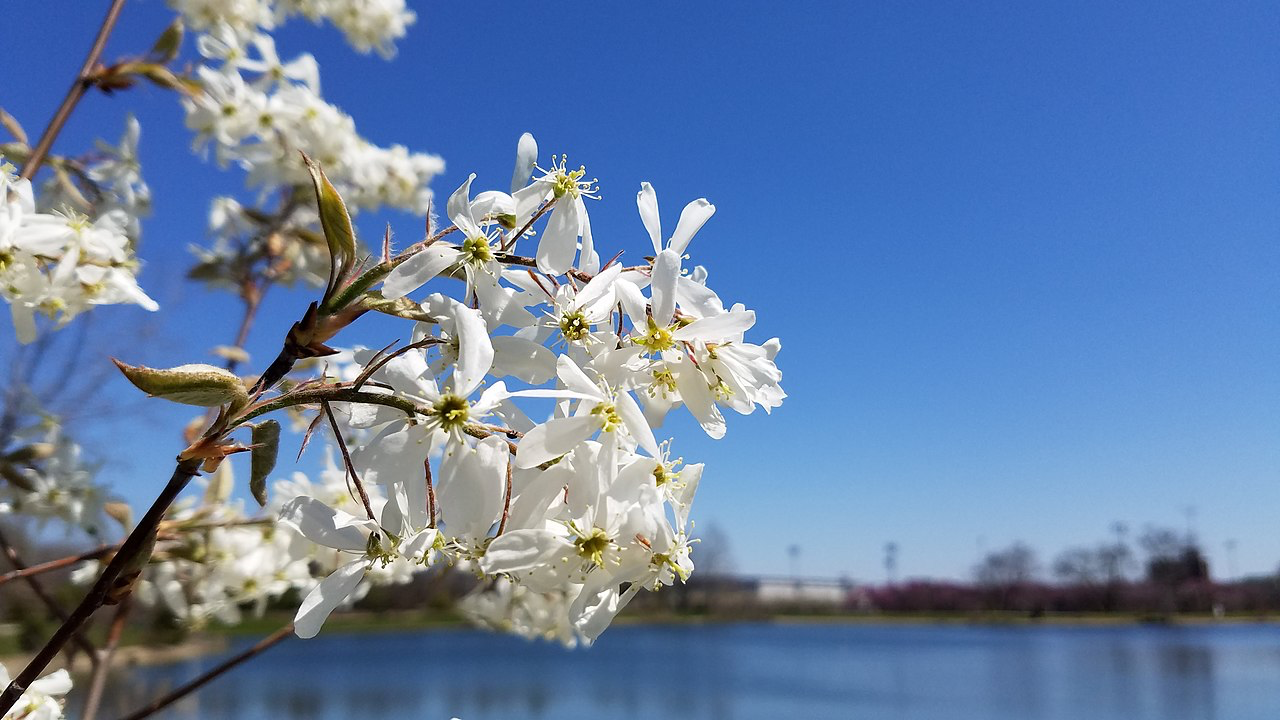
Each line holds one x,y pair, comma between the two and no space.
336,223
262,459
195,384
167,45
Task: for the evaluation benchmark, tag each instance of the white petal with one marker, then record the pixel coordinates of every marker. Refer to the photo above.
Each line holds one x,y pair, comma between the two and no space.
324,525
522,550
329,594
475,351
633,418
472,483
575,379
633,301
647,201
697,298
696,394
717,328
55,683
600,287
666,271
533,492
526,158
492,203
24,322
588,260
691,475
692,218
560,239
459,207
523,359
418,270
554,438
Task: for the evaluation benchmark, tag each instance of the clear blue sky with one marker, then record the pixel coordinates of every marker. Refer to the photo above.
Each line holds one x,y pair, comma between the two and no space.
1023,257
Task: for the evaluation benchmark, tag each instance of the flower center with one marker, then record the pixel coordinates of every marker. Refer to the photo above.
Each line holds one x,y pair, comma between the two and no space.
592,546
574,326
608,414
476,250
453,412
656,339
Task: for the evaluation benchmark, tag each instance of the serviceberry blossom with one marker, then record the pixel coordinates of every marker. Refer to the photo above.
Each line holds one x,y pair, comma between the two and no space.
60,262
513,437
555,492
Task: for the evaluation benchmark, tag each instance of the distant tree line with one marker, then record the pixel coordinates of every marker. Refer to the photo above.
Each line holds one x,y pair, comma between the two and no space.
1171,575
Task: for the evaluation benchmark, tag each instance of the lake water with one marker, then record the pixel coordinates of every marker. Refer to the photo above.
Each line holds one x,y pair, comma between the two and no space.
750,672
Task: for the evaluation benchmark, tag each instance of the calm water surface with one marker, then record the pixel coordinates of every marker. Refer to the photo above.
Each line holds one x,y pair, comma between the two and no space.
750,671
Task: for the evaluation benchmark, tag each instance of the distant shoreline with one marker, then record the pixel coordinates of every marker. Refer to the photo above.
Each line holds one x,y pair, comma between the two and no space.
216,640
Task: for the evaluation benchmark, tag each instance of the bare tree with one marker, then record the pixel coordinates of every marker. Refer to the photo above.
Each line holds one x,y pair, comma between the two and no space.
1011,566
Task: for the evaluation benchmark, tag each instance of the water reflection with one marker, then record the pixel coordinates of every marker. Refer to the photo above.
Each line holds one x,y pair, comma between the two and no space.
744,672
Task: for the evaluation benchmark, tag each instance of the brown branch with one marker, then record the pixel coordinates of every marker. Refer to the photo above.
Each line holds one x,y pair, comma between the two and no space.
165,701
83,80
252,295
511,242
129,557
58,564
346,459
379,361
506,500
49,602
431,494
98,681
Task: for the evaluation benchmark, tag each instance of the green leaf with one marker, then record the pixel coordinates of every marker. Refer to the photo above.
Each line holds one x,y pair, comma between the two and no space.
262,459
336,223
167,45
196,384
400,307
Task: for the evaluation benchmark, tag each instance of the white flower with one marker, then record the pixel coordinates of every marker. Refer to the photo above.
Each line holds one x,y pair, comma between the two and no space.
43,700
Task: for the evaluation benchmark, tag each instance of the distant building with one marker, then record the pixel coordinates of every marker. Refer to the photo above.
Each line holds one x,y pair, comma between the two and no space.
834,594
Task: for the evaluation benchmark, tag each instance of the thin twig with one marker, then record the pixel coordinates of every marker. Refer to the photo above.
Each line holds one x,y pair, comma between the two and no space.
506,499
58,564
127,557
511,242
98,681
346,459
431,494
379,362
182,691
38,588
83,80
252,296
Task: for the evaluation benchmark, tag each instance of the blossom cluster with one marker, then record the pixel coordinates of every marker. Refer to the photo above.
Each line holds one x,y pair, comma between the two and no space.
213,560
367,24
46,478
258,111
513,437
568,516
65,252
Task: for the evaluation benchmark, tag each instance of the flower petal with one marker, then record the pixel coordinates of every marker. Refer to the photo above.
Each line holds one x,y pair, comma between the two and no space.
418,270
647,201
560,239
666,271
692,218
329,594
526,158
324,525
554,438
523,550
